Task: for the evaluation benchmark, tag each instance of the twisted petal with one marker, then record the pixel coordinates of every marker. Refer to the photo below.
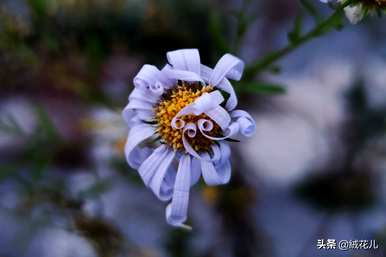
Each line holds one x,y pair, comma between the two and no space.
208,103
185,59
176,211
142,95
217,173
231,131
224,85
195,172
137,110
183,75
220,116
137,134
158,161
246,122
191,130
228,66
162,181
139,155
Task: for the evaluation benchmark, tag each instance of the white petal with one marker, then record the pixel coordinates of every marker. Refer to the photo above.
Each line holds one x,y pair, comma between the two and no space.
203,104
188,148
139,104
196,171
225,152
191,130
228,66
147,76
220,116
139,155
137,109
168,82
246,122
177,210
136,136
154,163
354,13
159,185
224,85
205,125
214,175
185,59
230,132
129,116
182,75
142,95
145,115
208,101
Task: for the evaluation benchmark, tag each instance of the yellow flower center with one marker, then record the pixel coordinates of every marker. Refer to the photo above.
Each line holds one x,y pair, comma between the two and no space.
171,103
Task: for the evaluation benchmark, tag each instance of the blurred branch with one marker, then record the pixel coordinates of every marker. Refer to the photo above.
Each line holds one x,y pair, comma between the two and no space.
320,29
243,22
261,88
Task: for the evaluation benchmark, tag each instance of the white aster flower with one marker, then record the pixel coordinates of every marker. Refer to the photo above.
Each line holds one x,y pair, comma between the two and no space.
358,11
179,125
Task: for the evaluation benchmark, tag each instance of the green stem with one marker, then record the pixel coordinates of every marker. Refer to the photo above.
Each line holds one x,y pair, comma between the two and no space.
322,28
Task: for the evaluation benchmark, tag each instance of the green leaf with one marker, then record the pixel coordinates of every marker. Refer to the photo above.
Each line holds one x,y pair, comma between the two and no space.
216,31
261,88
295,34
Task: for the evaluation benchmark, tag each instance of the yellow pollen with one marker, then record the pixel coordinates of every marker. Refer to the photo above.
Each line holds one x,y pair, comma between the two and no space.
171,103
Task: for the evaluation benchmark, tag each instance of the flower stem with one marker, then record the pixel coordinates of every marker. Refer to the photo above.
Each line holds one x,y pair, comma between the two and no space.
319,30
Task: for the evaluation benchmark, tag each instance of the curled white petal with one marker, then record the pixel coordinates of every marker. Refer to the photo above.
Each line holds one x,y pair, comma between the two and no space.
220,116
177,123
176,211
146,76
138,155
191,130
246,122
151,165
203,104
183,75
195,171
228,66
188,148
136,136
205,125
224,85
230,132
157,88
159,183
185,59
214,175
142,95
138,104
146,115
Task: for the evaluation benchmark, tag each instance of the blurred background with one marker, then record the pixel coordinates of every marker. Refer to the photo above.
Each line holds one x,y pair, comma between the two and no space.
314,170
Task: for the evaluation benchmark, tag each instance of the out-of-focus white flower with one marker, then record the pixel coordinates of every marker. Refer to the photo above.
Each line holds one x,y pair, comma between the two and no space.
375,77
289,145
358,11
16,112
60,243
179,122
108,132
